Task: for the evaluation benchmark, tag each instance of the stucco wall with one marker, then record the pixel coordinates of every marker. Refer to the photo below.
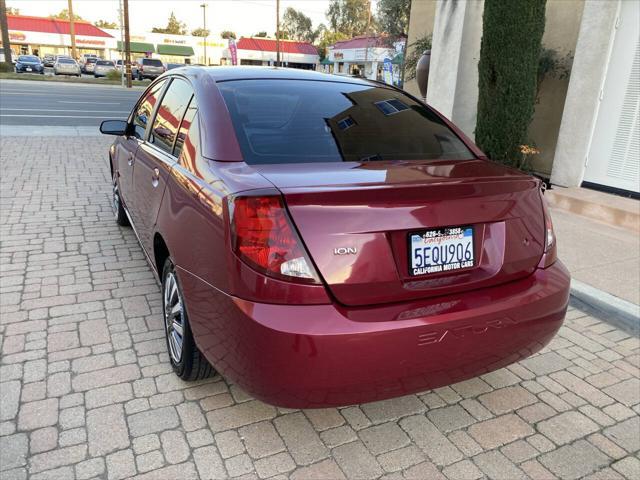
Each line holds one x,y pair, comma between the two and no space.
420,24
562,25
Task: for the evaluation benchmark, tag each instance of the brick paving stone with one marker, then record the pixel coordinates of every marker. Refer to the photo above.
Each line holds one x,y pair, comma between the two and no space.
567,427
38,414
629,467
13,451
43,439
507,399
432,442
57,458
90,468
423,471
625,434
325,418
107,430
356,461
338,436
401,459
239,415
450,418
209,463
271,466
575,460
120,465
260,440
463,470
386,410
382,438
152,421
495,465
303,442
626,392
174,446
325,470
9,399
500,431
229,443
545,363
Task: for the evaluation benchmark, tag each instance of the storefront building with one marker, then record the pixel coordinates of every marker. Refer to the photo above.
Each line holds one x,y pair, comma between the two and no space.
263,51
364,55
41,36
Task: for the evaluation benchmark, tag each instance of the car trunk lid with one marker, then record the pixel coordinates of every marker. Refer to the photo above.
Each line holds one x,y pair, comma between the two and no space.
355,220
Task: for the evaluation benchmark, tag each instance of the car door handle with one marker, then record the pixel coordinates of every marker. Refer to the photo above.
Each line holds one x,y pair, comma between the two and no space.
155,178
130,159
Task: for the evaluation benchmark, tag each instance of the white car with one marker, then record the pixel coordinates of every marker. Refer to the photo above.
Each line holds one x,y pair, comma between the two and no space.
103,67
66,66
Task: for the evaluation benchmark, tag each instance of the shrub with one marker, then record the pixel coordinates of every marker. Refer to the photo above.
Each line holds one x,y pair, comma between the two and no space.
114,75
6,67
417,49
508,74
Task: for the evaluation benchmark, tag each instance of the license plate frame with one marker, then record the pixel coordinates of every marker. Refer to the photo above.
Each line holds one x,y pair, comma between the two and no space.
418,268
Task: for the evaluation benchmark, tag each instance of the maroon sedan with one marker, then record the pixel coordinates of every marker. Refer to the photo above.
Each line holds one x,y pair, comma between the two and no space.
325,240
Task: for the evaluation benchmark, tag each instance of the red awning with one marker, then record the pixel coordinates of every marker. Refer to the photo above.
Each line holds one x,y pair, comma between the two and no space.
269,45
53,25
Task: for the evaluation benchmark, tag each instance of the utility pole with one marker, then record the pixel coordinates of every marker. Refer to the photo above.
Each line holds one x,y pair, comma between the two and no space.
204,27
277,33
366,50
127,42
123,70
6,45
72,31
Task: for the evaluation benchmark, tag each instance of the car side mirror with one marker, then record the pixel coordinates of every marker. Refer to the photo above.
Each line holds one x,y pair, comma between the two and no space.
114,127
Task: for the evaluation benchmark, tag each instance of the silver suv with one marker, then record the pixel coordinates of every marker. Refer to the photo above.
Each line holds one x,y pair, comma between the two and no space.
150,68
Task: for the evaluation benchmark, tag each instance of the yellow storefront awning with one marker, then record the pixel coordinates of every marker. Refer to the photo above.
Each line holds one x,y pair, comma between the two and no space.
180,50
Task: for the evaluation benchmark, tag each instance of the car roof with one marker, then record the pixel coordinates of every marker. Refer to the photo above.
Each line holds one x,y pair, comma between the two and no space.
226,73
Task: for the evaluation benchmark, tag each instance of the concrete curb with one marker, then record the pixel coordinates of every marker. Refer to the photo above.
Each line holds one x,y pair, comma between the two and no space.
16,81
607,307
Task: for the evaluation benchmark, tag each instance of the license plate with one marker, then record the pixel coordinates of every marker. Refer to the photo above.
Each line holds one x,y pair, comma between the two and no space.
440,250
28,69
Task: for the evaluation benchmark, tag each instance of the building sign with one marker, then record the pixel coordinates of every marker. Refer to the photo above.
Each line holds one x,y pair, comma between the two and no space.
174,41
90,41
233,50
17,36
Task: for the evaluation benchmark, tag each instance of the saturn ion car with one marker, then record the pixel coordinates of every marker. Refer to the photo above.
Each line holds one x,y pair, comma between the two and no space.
325,240
66,66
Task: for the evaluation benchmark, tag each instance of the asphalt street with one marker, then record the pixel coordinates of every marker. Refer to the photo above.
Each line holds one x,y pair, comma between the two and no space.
46,103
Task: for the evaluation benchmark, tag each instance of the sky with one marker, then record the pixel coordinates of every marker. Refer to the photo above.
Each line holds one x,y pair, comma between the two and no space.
244,17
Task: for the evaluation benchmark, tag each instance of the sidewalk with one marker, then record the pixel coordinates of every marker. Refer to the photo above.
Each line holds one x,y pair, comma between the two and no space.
603,256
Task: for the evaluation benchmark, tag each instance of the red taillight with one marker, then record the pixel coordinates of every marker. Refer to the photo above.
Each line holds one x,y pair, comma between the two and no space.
550,247
264,237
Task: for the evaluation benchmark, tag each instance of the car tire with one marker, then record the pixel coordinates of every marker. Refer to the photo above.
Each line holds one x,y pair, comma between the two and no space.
116,203
187,361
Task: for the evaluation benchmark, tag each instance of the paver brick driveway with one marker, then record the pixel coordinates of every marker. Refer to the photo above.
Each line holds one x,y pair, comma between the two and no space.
87,390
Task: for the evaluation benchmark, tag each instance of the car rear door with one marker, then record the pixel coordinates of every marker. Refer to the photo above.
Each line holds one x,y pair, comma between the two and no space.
155,158
127,147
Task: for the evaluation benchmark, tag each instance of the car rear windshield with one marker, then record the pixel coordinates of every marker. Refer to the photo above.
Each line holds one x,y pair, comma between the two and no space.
292,121
104,62
92,60
66,60
154,62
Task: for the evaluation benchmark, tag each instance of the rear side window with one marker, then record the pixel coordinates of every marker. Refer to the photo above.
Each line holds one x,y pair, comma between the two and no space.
185,126
288,121
153,62
145,108
172,108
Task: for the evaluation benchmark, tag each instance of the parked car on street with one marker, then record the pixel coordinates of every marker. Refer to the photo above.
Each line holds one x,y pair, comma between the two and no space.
66,66
49,60
103,67
29,64
149,68
89,65
134,68
325,240
171,66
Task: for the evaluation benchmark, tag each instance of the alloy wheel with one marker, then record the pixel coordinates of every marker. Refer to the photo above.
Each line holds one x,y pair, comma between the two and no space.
173,317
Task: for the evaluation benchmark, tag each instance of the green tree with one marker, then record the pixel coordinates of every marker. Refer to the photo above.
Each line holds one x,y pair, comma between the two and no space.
393,17
228,34
64,15
200,32
327,38
105,24
297,26
508,72
13,11
174,27
261,35
350,17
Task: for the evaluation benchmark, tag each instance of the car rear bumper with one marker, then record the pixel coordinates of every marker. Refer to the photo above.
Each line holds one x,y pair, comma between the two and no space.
329,355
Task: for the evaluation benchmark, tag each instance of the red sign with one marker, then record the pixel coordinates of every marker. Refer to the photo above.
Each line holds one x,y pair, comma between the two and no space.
234,51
